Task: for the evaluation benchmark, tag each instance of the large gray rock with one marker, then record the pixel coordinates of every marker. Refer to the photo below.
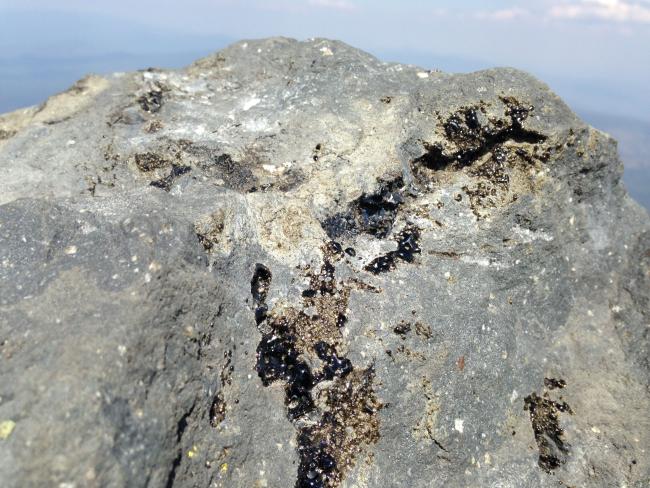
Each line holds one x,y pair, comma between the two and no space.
291,264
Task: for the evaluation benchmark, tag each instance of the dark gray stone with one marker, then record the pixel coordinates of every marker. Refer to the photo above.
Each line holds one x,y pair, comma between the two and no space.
173,311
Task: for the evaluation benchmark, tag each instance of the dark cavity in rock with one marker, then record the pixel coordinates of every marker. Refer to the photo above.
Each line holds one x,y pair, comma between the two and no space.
210,160
260,283
219,165
209,229
218,406
6,134
407,248
217,410
402,329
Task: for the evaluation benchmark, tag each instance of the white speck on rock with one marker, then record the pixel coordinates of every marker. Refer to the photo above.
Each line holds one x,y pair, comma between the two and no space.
458,425
476,260
326,51
249,103
87,228
70,250
423,74
257,125
527,236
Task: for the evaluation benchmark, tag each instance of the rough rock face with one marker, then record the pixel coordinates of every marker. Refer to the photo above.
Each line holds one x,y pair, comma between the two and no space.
293,265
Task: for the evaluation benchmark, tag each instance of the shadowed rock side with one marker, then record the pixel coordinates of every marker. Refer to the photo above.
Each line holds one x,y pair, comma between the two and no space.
293,265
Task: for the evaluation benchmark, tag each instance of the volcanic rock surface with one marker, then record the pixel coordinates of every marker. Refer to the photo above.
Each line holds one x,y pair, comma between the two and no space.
294,265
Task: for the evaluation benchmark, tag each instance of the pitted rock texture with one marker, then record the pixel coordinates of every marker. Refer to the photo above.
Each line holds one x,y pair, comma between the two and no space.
293,265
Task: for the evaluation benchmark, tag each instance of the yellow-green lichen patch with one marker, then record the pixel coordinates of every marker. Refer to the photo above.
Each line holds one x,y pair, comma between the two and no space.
6,428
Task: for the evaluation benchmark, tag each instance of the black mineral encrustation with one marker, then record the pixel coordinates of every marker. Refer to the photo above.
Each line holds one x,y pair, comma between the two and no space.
167,182
553,450
407,248
278,360
292,353
316,464
372,213
151,101
260,284
333,364
475,140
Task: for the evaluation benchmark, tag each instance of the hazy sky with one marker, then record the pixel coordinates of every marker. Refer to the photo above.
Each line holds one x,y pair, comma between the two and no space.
598,35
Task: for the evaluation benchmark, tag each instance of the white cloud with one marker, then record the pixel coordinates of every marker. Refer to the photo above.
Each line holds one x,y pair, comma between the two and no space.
503,14
334,4
609,10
